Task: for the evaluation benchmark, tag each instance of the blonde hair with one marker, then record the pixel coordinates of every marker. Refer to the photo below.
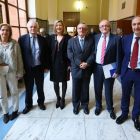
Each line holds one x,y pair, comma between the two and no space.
10,30
54,28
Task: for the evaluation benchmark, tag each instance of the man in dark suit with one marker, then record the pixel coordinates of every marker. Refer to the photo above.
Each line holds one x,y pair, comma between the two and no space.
45,35
35,59
80,52
120,33
92,33
107,51
130,74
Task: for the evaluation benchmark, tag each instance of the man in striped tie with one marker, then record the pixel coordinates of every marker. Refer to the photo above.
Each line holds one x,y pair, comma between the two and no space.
130,74
107,51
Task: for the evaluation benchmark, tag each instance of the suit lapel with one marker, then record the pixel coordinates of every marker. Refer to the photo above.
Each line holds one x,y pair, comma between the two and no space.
109,43
85,44
39,42
97,41
129,43
28,42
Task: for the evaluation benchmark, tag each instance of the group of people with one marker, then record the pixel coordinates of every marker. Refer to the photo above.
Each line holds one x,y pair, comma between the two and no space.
33,55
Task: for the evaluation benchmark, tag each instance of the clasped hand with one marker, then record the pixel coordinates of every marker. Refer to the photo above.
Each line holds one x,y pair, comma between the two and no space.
83,65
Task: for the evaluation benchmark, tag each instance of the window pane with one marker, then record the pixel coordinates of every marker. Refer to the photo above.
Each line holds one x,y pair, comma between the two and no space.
22,18
14,2
21,4
13,15
3,16
23,31
15,32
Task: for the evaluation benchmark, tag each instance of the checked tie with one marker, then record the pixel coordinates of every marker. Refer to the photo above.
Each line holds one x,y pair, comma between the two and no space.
33,51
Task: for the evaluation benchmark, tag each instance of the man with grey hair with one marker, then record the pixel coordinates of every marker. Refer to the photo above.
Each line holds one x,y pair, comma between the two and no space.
130,74
45,35
36,61
107,51
80,52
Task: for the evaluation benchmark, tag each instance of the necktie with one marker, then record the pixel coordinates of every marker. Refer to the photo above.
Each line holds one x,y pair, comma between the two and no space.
103,50
134,58
33,51
81,44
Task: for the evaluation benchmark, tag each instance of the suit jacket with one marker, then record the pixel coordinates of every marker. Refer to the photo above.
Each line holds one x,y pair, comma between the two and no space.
113,51
24,42
92,35
76,56
126,50
53,47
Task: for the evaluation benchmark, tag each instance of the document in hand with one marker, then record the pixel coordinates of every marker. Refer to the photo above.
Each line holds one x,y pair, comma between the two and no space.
109,70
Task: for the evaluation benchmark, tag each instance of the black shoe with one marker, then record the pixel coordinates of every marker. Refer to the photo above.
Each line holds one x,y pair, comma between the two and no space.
136,124
86,111
26,110
97,111
121,119
6,118
62,105
75,111
14,115
112,115
42,106
58,102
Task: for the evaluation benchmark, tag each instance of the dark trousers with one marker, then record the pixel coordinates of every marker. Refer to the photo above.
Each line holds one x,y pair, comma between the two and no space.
37,74
130,78
80,92
99,79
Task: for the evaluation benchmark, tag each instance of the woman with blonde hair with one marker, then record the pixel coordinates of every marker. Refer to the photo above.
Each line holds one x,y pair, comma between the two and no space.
11,70
60,64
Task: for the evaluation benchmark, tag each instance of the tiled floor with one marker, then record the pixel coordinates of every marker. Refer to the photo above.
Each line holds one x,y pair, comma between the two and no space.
57,124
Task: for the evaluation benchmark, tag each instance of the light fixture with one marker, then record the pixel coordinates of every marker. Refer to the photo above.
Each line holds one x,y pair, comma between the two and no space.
78,4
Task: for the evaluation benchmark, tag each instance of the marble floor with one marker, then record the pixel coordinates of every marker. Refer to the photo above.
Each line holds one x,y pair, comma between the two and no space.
57,124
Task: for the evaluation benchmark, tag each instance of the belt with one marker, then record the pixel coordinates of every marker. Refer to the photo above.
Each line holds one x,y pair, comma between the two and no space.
3,64
134,69
99,64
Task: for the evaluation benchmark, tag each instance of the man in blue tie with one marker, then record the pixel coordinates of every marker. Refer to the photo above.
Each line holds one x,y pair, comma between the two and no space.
36,61
80,52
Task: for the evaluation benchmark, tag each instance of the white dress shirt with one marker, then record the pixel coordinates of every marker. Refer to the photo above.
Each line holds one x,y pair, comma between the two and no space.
132,46
99,47
37,50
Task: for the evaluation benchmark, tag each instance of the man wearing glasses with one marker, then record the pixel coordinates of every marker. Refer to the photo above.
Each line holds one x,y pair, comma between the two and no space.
107,51
80,52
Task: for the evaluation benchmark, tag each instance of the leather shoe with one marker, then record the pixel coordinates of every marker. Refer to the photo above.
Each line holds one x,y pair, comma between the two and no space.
58,102
86,111
136,124
121,119
112,115
75,111
26,110
62,105
14,115
42,107
97,111
6,118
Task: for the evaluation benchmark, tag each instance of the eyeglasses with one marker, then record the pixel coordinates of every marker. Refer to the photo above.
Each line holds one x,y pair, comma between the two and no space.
104,26
82,29
4,30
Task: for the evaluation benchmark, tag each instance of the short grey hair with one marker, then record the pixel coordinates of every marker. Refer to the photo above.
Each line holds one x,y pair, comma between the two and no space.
134,18
120,28
82,23
32,21
105,20
43,29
